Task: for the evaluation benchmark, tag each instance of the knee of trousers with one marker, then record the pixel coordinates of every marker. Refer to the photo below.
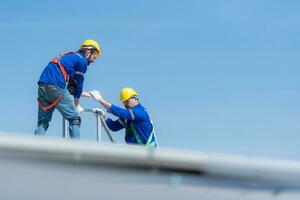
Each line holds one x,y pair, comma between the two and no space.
75,121
45,125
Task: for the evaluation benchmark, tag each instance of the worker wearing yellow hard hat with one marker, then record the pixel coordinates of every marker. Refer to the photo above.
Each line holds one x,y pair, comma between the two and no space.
127,93
91,44
60,86
134,118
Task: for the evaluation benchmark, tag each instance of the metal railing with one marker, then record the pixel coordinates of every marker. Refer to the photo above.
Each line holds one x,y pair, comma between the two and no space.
99,121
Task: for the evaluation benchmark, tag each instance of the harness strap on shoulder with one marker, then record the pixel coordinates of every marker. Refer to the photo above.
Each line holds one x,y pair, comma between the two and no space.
66,76
61,67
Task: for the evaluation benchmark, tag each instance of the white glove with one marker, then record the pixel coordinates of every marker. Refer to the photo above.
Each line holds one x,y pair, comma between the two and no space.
96,95
79,109
100,112
85,94
97,110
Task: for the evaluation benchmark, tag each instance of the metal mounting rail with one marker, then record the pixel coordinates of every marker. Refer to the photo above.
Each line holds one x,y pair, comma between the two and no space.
99,121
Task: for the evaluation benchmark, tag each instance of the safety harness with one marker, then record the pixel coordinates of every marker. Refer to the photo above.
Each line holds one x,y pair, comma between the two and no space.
56,60
131,130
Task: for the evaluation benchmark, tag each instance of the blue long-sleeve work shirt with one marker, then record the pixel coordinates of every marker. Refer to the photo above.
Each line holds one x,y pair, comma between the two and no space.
75,65
137,116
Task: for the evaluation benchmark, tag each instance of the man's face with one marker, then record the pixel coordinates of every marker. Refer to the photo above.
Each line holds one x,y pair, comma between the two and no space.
91,55
130,103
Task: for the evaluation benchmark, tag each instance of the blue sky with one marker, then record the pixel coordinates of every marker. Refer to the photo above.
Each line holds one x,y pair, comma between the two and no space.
216,76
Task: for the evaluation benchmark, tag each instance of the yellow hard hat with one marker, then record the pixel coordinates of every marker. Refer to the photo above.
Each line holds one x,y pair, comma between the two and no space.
92,43
127,93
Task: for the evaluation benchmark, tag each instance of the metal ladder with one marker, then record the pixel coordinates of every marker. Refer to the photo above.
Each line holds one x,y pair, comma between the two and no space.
99,121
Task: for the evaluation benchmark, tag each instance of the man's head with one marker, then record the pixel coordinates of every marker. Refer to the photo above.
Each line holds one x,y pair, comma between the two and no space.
129,97
91,50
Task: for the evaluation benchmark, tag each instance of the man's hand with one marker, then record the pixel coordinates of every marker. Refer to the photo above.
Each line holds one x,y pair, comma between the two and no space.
79,109
85,94
101,112
96,95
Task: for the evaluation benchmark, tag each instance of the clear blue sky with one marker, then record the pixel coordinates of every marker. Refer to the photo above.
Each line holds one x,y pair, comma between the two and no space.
220,76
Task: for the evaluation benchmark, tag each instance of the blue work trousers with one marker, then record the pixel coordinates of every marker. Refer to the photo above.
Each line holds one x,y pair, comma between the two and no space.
48,94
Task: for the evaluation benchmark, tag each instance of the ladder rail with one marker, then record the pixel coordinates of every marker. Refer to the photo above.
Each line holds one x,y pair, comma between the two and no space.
99,121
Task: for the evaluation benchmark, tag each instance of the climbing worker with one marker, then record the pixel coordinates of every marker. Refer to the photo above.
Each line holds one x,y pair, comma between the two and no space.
135,119
60,86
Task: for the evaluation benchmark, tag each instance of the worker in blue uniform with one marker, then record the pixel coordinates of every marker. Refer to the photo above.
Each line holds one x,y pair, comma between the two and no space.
134,118
60,86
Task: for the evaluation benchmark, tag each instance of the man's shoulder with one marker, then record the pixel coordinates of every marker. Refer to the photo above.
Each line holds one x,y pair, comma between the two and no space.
140,109
77,57
139,106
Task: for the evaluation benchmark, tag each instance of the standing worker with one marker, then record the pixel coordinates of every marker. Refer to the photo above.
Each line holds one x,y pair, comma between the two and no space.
135,119
60,86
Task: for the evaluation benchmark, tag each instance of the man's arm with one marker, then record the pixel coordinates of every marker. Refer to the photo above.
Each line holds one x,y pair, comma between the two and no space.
105,103
114,125
77,102
85,94
115,110
77,105
97,96
80,70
